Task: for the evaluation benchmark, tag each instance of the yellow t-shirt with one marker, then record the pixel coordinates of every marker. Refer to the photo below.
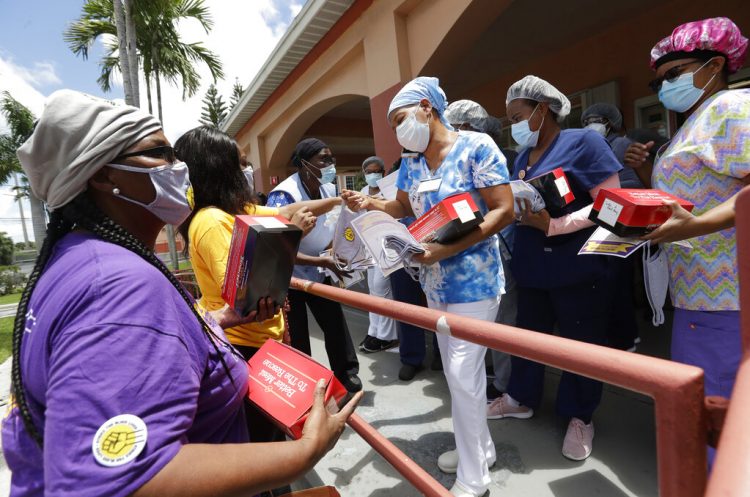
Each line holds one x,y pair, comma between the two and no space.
210,236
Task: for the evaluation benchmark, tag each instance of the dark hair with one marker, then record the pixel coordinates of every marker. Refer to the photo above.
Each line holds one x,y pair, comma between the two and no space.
214,167
307,149
82,213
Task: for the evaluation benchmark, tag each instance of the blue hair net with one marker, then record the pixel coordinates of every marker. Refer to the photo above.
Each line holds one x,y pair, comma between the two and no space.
415,90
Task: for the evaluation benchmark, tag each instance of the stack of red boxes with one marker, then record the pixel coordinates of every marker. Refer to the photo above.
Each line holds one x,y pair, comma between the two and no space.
282,385
554,188
448,220
633,212
260,262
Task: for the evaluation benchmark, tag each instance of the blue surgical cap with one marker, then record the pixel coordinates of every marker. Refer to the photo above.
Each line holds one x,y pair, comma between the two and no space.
415,90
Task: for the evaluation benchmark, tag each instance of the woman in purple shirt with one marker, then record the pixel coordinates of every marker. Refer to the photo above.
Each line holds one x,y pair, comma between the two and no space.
121,386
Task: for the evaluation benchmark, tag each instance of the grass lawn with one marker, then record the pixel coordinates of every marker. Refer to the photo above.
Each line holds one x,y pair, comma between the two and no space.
6,334
184,264
11,298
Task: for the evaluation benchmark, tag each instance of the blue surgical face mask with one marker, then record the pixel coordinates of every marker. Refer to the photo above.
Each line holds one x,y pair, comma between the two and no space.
523,135
171,183
372,179
327,174
681,94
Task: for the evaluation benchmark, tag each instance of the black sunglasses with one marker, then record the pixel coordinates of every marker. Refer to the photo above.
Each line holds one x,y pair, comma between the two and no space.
165,152
672,74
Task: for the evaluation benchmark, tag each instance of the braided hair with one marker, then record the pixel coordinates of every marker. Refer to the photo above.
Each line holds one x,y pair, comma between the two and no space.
82,213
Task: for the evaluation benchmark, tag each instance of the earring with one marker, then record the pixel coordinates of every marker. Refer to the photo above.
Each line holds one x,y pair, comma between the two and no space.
116,191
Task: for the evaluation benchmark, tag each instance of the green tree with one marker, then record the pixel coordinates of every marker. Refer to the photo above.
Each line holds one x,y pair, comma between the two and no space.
214,109
161,52
7,248
237,92
20,124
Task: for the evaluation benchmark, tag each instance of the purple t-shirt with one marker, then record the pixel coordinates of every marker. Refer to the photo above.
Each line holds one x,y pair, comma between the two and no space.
118,375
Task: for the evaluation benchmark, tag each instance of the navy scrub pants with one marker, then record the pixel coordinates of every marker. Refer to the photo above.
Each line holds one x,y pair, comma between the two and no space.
581,312
411,338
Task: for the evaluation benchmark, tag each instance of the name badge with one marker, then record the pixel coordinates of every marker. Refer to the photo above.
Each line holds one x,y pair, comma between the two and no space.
429,185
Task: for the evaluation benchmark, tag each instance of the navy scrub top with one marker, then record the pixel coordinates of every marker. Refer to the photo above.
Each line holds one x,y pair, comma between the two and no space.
546,262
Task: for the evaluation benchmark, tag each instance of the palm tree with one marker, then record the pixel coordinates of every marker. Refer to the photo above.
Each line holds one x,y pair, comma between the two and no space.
161,52
21,125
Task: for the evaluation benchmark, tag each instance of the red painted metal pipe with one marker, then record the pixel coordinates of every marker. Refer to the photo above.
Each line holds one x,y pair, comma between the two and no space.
730,476
418,477
677,389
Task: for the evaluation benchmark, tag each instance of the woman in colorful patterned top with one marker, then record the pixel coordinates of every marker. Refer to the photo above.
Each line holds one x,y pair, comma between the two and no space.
707,162
464,277
121,385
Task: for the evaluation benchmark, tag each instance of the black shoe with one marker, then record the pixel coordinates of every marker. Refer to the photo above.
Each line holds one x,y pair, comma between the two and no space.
407,372
352,383
372,344
492,392
437,363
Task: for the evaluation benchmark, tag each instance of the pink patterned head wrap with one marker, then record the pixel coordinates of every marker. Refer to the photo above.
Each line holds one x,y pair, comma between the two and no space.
719,35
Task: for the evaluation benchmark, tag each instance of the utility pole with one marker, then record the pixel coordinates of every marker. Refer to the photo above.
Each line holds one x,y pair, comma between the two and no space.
19,199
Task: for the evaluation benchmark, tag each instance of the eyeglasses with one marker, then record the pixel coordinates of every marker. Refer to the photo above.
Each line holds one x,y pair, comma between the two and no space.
164,152
327,160
594,119
672,74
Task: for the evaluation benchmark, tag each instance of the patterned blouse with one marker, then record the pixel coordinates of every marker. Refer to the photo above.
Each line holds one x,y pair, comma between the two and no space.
474,162
705,163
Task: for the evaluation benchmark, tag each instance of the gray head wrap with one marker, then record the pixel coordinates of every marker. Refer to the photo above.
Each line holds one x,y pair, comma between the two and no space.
76,135
538,90
608,111
469,112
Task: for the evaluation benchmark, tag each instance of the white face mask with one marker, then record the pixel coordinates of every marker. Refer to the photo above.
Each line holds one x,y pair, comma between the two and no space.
599,128
413,135
248,173
171,183
656,279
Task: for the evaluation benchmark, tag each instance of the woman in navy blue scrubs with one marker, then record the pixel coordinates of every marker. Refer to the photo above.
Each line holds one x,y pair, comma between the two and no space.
556,287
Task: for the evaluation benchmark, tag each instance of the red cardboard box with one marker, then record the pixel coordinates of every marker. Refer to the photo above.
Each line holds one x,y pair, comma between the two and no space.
632,212
260,262
282,385
449,220
554,188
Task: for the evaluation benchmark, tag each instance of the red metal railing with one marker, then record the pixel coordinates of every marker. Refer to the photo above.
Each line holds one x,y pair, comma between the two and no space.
677,389
730,476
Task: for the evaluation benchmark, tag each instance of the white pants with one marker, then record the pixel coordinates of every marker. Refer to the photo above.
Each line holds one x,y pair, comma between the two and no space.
463,364
380,326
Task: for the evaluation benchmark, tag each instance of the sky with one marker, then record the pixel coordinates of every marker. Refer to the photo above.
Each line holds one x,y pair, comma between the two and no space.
35,61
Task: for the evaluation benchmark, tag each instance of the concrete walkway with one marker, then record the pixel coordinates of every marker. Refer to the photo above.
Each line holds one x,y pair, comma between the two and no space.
416,417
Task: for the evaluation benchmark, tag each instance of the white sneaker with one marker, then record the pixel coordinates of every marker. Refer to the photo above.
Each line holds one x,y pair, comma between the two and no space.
448,462
460,491
579,440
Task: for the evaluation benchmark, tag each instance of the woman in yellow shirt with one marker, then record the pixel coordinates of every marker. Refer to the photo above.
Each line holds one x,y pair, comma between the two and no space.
221,191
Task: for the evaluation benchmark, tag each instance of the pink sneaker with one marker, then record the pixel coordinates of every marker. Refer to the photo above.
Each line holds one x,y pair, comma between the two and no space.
503,407
579,440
